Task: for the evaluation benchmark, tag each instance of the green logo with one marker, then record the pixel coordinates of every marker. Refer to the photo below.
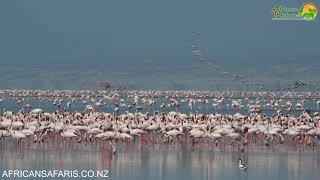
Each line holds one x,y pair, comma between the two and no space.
307,11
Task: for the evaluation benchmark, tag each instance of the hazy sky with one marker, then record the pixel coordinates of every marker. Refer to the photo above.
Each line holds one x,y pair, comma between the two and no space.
111,31
114,30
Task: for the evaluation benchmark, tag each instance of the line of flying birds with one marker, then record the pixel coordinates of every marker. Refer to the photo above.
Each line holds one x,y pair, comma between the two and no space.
244,79
198,54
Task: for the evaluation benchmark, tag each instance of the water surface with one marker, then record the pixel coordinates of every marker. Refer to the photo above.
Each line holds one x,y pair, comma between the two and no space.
164,162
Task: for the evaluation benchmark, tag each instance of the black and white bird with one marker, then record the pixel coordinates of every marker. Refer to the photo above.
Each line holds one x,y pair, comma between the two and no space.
242,165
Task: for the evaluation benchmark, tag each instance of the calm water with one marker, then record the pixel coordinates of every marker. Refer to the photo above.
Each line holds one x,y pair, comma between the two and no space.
166,162
11,104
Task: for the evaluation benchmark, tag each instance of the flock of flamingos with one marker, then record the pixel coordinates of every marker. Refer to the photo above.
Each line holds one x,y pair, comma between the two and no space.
155,117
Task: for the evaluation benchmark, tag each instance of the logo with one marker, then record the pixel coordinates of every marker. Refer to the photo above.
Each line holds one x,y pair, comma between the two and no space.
307,11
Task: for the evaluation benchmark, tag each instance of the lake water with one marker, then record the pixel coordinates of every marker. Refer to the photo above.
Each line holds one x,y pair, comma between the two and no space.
164,161
11,104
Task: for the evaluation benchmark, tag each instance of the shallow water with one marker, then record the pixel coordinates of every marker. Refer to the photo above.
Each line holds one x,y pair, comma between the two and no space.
11,104
165,162
160,161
